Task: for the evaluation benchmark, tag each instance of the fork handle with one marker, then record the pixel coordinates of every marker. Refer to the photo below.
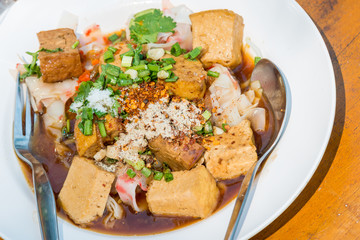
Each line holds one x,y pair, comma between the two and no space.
45,201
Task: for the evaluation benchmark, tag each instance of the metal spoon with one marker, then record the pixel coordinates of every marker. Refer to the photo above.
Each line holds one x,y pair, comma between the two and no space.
277,93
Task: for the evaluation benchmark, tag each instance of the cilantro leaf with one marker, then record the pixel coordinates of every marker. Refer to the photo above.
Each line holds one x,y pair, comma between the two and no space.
146,25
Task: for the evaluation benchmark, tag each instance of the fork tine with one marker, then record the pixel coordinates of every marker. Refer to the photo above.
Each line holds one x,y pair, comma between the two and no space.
19,104
28,114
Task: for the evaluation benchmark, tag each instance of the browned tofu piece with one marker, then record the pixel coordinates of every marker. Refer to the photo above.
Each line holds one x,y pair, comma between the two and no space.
87,146
63,65
192,78
122,48
191,194
113,128
231,154
220,34
85,191
179,156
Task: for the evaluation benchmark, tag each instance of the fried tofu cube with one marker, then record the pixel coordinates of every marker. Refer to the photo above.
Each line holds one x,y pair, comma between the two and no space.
232,153
62,65
179,156
190,194
220,34
191,83
85,192
87,146
113,127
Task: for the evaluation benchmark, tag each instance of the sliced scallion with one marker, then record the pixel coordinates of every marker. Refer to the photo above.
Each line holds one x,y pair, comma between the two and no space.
206,115
131,173
158,175
75,44
113,37
173,79
193,53
109,56
213,74
126,61
146,172
102,129
88,129
168,177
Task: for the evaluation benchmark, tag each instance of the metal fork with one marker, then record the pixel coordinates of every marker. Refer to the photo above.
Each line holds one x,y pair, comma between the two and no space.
23,130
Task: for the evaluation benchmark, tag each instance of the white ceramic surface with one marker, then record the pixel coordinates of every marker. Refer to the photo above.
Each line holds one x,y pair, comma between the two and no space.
283,32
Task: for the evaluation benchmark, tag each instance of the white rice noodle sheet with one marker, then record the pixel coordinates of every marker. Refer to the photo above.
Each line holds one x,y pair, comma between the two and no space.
126,188
231,106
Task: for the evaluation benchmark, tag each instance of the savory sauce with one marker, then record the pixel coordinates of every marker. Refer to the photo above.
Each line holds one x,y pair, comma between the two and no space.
143,223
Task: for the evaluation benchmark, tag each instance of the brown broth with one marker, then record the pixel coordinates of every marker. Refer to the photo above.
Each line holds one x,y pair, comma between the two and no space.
142,223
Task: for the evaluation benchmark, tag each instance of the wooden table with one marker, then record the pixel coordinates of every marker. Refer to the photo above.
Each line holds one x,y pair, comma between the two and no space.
329,207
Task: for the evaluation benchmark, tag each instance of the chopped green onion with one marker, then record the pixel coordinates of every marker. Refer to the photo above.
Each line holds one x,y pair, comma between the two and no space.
168,67
125,82
112,80
168,177
112,70
136,81
102,129
147,152
143,73
147,79
206,115
146,172
208,127
213,74
109,56
112,49
129,53
111,160
223,126
173,79
88,129
169,60
163,74
158,175
75,44
256,60
198,128
113,37
138,165
124,75
126,61
193,53
50,50
138,67
131,173
176,50
153,67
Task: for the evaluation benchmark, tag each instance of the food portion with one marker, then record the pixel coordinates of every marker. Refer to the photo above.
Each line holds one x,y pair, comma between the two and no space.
63,62
192,194
221,42
152,126
85,191
232,153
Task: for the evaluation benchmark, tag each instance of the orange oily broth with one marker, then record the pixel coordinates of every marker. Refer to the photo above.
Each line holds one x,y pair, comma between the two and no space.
141,223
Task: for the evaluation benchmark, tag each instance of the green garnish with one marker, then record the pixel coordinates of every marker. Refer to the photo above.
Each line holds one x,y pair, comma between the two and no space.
75,44
112,49
153,67
146,25
126,61
102,129
146,172
146,152
208,127
256,60
112,70
206,115
172,79
168,177
51,50
88,129
158,175
111,160
176,50
113,37
138,165
131,173
124,114
168,67
193,53
169,60
213,74
223,126
109,56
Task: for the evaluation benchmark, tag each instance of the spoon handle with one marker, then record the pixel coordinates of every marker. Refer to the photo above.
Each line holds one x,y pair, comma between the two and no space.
235,224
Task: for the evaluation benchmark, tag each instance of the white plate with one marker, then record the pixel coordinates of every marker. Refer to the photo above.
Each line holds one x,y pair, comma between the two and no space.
283,32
